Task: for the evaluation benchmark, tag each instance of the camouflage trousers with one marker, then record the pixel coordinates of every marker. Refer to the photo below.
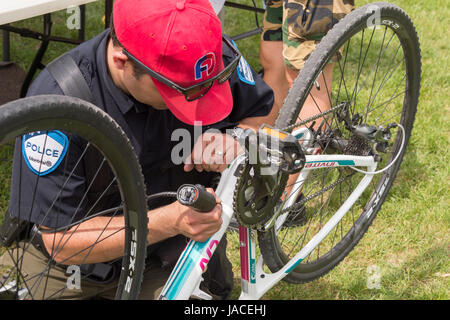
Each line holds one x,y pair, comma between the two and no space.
301,24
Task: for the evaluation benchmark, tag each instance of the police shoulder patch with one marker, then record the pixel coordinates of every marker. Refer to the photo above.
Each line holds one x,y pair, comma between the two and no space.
43,151
245,72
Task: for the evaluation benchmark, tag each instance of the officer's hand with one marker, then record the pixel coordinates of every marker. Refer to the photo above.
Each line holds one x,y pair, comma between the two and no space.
213,152
199,226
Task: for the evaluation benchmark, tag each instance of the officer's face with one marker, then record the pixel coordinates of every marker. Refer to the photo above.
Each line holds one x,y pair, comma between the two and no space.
143,89
122,73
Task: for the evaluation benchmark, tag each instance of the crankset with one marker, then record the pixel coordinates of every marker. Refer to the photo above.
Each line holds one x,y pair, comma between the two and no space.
271,156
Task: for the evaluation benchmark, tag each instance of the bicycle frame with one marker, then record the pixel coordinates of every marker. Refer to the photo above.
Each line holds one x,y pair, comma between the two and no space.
186,276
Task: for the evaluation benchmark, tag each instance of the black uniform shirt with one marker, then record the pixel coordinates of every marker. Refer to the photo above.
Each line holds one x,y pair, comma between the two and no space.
148,129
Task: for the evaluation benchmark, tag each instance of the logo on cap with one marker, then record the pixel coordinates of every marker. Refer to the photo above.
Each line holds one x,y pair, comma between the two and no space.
204,66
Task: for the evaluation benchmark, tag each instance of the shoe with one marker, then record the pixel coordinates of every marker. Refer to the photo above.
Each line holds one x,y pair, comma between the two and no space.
296,217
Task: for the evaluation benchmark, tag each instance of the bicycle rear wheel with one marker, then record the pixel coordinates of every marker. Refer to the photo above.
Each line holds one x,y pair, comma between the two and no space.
38,183
368,76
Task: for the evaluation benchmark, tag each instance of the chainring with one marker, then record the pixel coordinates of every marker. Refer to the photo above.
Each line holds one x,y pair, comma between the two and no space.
256,195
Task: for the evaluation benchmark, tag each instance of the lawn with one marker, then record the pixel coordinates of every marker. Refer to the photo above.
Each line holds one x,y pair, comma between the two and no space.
407,247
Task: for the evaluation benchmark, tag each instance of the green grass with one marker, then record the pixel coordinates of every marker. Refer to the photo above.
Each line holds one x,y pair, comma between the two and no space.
409,240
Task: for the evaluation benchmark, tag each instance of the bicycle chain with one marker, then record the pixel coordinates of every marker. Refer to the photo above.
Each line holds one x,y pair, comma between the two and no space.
317,116
299,204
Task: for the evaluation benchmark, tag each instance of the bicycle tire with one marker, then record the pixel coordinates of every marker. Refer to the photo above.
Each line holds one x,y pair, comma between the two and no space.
81,118
395,21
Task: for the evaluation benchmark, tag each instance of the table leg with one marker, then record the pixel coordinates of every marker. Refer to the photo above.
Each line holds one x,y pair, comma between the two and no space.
37,61
6,50
82,31
108,11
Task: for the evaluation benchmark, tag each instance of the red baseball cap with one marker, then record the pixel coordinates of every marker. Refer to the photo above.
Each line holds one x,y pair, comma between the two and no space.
182,41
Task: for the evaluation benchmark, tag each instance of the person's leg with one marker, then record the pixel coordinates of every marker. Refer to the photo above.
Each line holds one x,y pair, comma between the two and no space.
271,55
319,98
305,23
284,49
217,280
155,277
274,75
47,281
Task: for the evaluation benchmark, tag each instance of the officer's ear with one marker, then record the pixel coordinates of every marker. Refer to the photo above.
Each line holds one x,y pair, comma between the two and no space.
119,58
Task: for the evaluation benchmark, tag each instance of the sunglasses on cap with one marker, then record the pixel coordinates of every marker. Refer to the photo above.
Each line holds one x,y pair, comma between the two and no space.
200,89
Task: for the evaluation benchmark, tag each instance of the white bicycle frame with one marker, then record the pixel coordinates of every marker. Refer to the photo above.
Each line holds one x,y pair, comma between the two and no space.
186,276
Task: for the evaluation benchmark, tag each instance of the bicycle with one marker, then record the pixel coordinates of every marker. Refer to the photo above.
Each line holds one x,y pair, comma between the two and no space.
313,185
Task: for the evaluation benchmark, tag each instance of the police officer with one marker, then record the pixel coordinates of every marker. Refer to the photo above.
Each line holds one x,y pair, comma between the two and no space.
138,72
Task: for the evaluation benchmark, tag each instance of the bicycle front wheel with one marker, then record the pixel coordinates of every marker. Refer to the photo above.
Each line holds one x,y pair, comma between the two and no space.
363,79
43,144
